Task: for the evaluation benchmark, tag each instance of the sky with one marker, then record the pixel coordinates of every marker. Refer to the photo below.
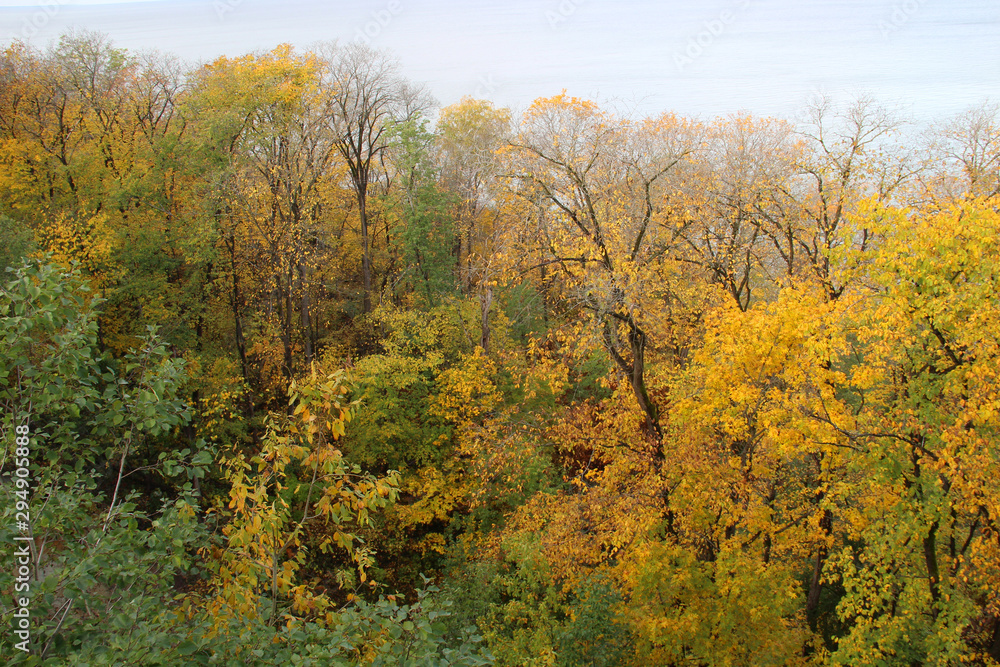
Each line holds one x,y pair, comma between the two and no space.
930,59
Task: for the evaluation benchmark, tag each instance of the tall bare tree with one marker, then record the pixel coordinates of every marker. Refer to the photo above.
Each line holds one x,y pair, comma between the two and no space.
367,91
849,157
966,153
601,186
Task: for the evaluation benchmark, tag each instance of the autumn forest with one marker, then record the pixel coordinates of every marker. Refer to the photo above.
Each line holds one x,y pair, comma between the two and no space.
300,368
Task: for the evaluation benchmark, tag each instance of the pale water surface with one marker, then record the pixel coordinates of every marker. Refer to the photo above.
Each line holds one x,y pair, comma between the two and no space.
934,58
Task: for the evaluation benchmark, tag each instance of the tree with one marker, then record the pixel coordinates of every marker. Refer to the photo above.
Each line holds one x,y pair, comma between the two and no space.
84,417
264,115
426,230
603,218
737,187
919,574
846,162
255,572
93,170
966,149
469,133
367,92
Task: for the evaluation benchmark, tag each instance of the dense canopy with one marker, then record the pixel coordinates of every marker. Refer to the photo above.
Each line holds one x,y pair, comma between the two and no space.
300,369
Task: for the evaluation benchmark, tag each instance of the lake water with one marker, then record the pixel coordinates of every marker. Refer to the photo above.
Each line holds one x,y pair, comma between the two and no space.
932,57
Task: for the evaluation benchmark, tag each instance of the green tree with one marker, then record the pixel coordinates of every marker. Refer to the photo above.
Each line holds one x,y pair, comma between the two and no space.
427,234
99,583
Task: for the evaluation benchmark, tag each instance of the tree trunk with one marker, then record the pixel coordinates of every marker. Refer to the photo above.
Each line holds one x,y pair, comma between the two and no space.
241,342
637,341
304,316
815,583
933,573
366,261
485,300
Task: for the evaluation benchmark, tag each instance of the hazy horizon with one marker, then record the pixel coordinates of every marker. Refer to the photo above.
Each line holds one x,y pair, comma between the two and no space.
931,58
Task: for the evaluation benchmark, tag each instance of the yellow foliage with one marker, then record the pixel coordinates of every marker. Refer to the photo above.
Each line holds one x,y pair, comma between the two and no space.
264,542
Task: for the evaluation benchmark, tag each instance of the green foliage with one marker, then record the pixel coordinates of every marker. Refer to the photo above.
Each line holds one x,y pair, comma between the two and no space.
397,429
18,241
101,594
595,632
51,364
102,571
274,518
522,627
427,240
529,619
384,633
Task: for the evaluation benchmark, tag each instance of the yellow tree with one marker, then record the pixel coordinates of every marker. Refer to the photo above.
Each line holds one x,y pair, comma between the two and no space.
263,115
921,569
469,134
602,221
90,166
44,134
752,463
598,209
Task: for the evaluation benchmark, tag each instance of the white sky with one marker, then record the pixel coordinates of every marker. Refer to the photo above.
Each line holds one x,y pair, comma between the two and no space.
932,57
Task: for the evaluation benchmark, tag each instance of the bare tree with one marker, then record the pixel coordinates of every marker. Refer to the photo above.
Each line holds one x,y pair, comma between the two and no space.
735,190
367,91
848,158
966,152
604,217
